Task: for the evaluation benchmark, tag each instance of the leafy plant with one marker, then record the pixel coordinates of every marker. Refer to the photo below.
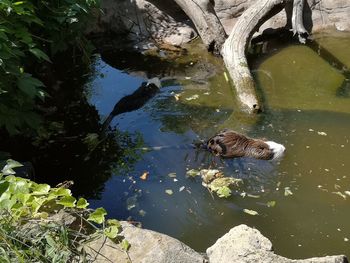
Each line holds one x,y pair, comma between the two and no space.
27,234
32,32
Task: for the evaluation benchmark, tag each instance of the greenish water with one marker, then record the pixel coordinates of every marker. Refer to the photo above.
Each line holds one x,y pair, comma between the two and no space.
305,110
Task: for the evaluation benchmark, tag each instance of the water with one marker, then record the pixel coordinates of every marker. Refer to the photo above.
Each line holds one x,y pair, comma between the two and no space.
306,108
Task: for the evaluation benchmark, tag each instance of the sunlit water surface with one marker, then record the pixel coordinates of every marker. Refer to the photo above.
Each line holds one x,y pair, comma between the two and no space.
307,109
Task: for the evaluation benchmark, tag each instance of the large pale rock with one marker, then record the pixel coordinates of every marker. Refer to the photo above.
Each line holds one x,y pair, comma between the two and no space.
243,244
146,247
318,15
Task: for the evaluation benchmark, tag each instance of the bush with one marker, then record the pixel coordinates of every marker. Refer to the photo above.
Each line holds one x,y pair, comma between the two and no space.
29,234
33,32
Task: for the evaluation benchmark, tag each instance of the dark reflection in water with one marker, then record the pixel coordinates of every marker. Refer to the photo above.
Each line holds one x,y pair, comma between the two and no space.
303,112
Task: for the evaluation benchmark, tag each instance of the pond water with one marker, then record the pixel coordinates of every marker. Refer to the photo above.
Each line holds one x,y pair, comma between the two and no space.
307,109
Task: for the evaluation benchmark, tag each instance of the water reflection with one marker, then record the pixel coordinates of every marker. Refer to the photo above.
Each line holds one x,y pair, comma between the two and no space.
304,113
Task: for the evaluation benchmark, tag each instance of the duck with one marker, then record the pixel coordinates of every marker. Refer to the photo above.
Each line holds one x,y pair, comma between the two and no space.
231,144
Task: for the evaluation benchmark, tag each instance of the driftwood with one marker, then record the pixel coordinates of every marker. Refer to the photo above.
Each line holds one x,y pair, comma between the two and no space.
208,25
233,49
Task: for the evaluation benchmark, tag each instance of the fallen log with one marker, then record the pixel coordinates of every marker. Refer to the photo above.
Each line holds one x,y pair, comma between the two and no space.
234,50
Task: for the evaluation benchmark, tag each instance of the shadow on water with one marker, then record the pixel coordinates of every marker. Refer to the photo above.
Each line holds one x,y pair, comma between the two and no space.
69,145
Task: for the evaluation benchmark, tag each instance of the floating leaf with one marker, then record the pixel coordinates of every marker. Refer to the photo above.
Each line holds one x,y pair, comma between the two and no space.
172,175
82,203
271,203
250,212
98,216
224,192
131,202
210,174
340,194
287,191
169,191
144,176
192,173
142,212
322,133
194,97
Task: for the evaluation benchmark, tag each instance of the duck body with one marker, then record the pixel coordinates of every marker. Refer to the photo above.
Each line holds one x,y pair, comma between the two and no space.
231,144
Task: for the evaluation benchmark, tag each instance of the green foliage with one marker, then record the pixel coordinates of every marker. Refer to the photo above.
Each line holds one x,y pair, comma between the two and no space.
25,235
32,32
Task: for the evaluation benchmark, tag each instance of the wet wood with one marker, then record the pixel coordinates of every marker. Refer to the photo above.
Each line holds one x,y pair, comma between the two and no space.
297,21
208,25
234,50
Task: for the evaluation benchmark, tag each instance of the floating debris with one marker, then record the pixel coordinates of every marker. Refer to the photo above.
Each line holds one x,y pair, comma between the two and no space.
169,191
224,191
271,203
193,97
142,212
322,133
340,194
225,75
287,191
175,180
181,188
250,212
222,185
177,96
172,175
144,176
347,193
193,173
209,175
131,202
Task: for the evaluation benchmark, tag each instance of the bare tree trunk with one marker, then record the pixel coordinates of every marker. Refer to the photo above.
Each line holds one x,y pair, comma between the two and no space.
297,21
208,25
234,49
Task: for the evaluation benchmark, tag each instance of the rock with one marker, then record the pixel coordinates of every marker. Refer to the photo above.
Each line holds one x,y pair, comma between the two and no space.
243,244
145,246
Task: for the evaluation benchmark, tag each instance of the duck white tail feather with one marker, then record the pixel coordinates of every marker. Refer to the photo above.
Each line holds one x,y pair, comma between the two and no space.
277,149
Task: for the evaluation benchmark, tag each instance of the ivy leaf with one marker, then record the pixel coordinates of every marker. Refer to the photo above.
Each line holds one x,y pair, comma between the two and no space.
125,245
29,85
98,216
82,203
8,168
41,189
3,187
111,231
113,222
224,192
67,201
192,173
40,54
